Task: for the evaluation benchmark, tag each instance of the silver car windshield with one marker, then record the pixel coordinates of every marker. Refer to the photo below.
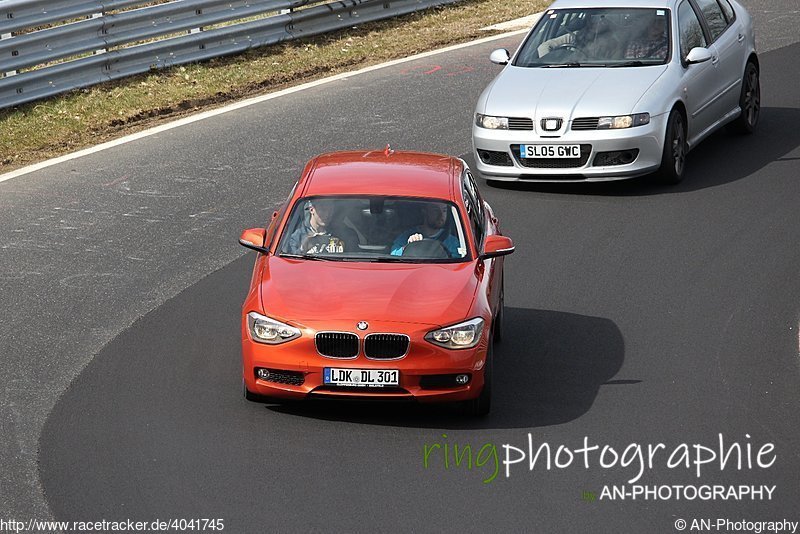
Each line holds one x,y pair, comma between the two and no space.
374,229
609,37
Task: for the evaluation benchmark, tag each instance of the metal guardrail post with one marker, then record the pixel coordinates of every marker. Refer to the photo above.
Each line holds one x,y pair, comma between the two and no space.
10,72
99,50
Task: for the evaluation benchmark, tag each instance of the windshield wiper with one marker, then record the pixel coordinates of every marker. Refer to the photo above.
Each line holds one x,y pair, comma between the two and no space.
329,258
635,63
392,259
309,257
558,65
389,259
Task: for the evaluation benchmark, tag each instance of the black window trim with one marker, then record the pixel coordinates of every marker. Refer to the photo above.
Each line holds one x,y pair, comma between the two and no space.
700,18
704,23
725,14
466,175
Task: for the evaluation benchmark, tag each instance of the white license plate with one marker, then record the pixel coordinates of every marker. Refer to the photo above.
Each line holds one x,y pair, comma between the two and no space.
550,151
335,376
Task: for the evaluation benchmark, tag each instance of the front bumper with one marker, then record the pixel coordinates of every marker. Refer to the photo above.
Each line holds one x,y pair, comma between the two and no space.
300,368
497,158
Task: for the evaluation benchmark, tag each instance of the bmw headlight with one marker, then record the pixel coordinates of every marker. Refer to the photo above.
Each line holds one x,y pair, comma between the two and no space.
491,123
623,121
266,330
459,336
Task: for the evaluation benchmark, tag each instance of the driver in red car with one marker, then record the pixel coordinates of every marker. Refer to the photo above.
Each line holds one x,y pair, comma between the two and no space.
433,227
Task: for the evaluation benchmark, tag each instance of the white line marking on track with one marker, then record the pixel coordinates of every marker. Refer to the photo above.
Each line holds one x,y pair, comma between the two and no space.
516,24
242,104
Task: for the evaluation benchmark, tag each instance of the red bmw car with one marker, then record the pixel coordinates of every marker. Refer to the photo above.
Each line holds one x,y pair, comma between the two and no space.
380,277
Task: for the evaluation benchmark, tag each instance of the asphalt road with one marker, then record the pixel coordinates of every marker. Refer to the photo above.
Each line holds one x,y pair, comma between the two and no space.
640,314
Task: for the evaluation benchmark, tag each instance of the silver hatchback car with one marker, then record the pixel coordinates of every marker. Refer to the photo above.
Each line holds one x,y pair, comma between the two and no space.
613,92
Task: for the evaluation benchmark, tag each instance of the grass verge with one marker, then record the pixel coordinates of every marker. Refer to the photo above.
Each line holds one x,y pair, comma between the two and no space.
41,130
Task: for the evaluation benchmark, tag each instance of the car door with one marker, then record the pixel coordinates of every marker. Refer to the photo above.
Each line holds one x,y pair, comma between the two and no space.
727,56
482,224
698,79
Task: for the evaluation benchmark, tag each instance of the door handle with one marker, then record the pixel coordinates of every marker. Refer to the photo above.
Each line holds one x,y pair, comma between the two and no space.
714,59
741,37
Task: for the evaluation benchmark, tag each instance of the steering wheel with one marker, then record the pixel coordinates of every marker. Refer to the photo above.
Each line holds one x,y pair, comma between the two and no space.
426,248
570,47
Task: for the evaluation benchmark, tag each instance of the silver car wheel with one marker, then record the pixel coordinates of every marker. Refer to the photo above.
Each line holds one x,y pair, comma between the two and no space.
678,145
673,159
749,102
752,97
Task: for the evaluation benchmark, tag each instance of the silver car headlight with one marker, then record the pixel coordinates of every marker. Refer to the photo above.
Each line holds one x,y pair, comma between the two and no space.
263,329
491,123
458,336
623,121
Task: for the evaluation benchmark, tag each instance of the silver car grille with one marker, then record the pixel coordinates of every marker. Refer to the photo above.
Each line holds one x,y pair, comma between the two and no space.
585,123
520,123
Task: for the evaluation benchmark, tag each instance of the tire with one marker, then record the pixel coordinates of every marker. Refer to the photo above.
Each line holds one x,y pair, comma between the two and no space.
749,102
673,158
499,320
252,397
482,404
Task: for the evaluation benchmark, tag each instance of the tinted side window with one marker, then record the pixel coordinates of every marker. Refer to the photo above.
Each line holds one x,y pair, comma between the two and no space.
272,226
691,33
728,10
714,17
473,187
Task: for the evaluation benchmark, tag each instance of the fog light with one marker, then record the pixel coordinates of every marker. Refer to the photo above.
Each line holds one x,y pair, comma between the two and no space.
263,374
462,379
621,157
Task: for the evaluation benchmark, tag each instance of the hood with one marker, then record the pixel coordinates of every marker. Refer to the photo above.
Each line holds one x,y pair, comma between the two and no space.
431,294
569,92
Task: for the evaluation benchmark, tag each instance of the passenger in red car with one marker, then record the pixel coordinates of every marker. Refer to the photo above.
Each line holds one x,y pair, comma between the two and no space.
319,233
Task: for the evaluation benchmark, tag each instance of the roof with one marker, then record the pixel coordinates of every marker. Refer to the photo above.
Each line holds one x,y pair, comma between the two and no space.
379,172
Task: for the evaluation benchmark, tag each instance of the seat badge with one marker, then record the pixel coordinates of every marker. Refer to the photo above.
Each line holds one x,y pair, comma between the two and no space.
551,124
362,325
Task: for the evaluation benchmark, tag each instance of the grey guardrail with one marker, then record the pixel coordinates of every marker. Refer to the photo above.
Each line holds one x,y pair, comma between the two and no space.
105,39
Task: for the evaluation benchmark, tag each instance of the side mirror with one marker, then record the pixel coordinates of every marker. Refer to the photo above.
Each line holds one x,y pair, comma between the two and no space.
500,56
497,245
698,55
253,238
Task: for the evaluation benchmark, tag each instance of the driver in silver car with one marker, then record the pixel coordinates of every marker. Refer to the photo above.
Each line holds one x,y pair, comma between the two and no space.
652,44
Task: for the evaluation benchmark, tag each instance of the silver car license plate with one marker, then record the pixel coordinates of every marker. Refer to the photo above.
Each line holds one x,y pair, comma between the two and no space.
550,151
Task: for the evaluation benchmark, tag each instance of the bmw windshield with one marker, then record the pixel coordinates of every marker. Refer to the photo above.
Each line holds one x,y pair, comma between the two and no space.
599,37
374,229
